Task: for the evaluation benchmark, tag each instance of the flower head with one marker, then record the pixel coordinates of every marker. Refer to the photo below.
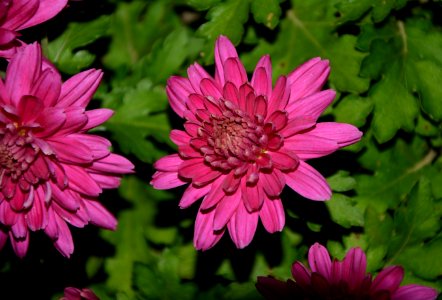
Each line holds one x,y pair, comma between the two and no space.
16,15
71,293
51,170
244,141
346,279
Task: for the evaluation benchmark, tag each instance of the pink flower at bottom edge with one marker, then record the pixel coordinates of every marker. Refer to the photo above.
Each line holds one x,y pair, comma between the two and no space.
346,279
51,170
71,293
16,15
244,141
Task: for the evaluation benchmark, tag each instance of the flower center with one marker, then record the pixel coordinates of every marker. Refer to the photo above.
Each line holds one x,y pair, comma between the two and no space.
16,152
236,138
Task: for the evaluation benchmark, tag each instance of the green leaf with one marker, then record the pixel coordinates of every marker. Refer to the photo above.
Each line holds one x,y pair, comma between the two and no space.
343,211
415,221
202,4
227,18
129,239
353,110
390,98
64,52
308,31
353,10
141,116
134,29
407,60
395,171
421,259
341,182
168,56
266,12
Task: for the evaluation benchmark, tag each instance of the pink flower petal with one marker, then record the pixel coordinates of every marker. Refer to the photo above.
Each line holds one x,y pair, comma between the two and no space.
307,182
223,50
169,163
272,183
20,246
166,180
301,274
262,77
209,88
46,10
78,90
312,105
235,72
178,90
341,133
196,75
21,71
242,226
253,196
319,260
307,146
284,160
354,267
297,125
414,292
307,79
97,117
112,163
71,150
231,93
7,36
179,137
47,87
215,194
272,215
64,242
80,181
225,209
204,236
192,194
280,95
99,216
279,119
388,279
19,12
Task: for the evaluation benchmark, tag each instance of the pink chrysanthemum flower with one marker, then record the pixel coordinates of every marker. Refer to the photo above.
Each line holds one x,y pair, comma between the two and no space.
71,293
345,279
244,141
16,15
51,170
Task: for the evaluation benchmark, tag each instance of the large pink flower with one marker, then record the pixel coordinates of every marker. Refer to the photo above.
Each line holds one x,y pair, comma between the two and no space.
345,279
16,15
243,141
51,170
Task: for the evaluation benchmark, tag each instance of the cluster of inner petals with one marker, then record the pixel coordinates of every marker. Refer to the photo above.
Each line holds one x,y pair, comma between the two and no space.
236,137
18,152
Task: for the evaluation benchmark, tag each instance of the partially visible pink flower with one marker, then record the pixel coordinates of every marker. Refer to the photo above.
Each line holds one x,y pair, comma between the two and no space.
16,15
244,141
51,169
345,279
71,293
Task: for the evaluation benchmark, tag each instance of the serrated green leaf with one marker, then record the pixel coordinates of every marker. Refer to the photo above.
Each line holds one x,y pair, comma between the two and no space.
343,211
421,259
396,170
353,110
308,32
129,239
226,18
341,182
407,61
168,56
134,29
202,4
266,12
390,98
63,51
140,116
414,222
353,10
